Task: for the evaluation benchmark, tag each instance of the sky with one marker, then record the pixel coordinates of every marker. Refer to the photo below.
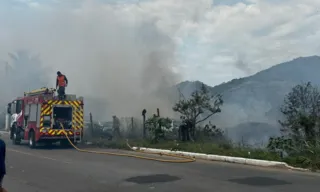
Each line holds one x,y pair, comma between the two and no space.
126,52
215,40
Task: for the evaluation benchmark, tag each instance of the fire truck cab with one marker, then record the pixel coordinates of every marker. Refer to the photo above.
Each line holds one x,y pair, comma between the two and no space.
39,114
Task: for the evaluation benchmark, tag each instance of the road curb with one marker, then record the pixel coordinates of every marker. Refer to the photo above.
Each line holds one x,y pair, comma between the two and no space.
4,132
209,157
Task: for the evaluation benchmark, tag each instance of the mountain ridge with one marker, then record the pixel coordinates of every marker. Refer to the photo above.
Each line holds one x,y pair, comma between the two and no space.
256,99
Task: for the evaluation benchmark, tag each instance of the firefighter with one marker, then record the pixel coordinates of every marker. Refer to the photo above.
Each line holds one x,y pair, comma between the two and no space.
2,163
184,128
61,84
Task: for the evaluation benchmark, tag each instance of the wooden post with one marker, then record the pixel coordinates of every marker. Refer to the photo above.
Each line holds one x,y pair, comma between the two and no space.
91,124
158,112
144,111
132,127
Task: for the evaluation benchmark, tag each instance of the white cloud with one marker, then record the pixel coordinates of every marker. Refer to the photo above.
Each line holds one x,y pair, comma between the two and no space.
209,35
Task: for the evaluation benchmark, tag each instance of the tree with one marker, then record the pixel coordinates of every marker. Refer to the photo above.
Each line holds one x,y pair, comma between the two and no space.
301,110
212,132
198,108
156,125
300,126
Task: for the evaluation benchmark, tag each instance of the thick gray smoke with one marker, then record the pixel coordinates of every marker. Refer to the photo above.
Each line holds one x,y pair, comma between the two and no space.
117,59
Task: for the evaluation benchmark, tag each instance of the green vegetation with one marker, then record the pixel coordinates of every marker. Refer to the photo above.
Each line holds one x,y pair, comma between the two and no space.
300,138
298,145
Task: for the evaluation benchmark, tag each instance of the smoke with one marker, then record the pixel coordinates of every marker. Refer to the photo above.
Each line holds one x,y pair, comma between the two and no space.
242,65
117,59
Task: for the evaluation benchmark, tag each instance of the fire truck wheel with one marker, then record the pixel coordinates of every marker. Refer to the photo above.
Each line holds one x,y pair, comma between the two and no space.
32,140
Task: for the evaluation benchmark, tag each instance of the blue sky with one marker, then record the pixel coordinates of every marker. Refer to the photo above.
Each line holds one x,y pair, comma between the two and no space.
210,37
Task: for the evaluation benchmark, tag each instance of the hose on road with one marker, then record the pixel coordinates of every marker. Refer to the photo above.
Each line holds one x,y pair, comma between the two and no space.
182,159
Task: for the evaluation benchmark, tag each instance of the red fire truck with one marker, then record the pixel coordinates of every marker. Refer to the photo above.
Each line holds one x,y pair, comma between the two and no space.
39,114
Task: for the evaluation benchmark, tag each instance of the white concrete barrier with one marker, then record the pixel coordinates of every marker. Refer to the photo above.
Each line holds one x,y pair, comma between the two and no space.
238,160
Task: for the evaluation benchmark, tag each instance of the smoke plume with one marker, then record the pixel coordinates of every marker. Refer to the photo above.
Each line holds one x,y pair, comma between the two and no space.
117,59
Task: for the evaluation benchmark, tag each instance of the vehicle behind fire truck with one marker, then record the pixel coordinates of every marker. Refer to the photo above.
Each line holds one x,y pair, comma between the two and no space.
39,114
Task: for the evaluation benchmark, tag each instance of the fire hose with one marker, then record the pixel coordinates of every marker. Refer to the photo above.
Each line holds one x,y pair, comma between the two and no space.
182,159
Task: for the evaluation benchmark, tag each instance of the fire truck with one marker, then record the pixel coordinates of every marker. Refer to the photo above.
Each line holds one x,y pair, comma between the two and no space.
39,115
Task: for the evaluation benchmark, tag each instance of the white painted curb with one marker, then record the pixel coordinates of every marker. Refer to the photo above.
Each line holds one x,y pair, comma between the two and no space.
239,160
4,132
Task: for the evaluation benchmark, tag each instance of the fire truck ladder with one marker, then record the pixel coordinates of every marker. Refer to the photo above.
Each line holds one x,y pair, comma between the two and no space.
42,91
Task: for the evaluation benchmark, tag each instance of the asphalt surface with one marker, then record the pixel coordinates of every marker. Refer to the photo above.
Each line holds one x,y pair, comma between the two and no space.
66,170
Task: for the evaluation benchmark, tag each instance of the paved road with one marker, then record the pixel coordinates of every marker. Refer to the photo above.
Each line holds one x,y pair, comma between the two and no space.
66,170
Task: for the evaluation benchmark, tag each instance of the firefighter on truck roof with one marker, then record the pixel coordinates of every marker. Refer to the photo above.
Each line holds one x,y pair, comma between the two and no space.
61,84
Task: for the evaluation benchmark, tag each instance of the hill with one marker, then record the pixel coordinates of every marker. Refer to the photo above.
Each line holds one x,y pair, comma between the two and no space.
252,103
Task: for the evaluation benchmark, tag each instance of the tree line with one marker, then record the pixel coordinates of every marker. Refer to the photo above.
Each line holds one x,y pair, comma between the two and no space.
194,110
300,122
